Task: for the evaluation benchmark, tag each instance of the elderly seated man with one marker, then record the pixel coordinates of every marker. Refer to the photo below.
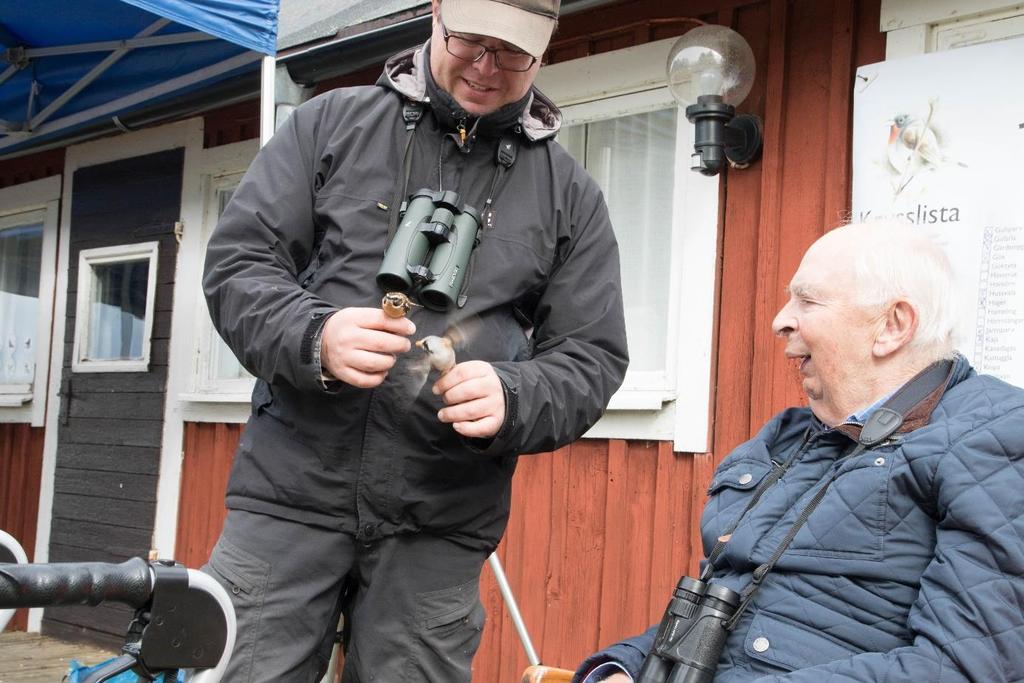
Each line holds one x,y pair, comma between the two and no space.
909,566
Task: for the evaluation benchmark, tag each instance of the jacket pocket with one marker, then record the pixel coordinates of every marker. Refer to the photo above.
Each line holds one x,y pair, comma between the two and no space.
790,645
743,475
245,577
452,619
730,491
850,520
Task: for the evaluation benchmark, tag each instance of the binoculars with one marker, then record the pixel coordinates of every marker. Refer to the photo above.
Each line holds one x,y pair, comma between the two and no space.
430,252
691,635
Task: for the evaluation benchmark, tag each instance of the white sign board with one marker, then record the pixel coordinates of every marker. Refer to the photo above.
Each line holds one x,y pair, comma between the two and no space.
938,140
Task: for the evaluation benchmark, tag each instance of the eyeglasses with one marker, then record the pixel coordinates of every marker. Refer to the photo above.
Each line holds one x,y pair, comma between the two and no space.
472,51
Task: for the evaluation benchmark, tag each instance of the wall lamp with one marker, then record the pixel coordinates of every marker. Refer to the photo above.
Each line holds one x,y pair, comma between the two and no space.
710,71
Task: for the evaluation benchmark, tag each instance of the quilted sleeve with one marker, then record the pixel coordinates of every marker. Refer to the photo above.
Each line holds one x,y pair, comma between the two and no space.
967,623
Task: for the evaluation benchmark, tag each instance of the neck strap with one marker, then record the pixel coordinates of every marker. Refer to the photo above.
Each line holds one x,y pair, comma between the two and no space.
881,424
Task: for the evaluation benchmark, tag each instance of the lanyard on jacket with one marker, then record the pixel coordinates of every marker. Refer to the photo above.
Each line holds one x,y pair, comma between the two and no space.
881,424
412,112
505,156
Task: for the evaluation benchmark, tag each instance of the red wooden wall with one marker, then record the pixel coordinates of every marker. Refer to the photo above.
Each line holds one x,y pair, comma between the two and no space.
31,167
21,467
594,526
601,530
207,453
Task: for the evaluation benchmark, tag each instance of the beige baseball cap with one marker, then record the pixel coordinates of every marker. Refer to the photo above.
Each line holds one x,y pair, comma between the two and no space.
527,24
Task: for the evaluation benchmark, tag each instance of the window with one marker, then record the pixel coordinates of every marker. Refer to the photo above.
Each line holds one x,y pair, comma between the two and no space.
21,243
621,123
116,289
632,157
28,251
219,388
219,373
913,28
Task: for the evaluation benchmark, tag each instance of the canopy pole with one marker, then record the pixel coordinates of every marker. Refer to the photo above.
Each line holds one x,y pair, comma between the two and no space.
267,99
513,608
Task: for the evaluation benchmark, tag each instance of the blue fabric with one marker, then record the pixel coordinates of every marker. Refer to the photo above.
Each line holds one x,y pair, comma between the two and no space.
77,673
249,23
240,26
912,567
603,671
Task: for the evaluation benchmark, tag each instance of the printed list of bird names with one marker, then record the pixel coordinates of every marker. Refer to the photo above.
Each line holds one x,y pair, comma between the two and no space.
999,333
937,143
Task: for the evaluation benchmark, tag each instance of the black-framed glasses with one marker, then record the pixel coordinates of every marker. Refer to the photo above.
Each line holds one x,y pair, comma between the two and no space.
472,51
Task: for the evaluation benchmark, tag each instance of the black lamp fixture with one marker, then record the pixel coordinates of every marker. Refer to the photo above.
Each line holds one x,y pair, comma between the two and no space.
710,71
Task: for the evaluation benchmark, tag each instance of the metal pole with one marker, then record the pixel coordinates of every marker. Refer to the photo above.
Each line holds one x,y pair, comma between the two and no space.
267,98
513,608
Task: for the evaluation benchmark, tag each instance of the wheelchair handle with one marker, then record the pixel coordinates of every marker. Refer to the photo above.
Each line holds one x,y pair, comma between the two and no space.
75,583
190,621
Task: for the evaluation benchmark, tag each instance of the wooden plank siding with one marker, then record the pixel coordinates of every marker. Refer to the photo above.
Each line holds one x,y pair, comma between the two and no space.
110,425
21,468
601,530
206,462
594,526
29,167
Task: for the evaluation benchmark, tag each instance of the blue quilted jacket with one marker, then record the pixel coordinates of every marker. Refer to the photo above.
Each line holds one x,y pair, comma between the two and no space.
910,569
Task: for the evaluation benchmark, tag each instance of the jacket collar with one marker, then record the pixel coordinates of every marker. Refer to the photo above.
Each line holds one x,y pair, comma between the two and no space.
920,414
407,73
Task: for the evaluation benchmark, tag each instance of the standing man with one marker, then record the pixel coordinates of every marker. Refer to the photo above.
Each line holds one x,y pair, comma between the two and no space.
356,486
910,565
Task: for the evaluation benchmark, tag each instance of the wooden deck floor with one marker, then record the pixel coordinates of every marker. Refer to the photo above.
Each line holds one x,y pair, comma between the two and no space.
32,658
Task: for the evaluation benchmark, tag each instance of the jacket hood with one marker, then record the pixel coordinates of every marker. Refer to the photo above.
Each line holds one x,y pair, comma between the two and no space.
407,73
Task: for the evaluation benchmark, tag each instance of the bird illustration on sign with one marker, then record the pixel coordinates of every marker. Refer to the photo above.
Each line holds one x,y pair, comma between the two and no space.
915,146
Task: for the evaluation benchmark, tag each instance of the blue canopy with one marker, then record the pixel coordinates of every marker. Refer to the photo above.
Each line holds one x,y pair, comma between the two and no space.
68,64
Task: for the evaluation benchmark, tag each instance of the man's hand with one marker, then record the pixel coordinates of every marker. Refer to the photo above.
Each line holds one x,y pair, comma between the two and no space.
617,678
358,345
474,398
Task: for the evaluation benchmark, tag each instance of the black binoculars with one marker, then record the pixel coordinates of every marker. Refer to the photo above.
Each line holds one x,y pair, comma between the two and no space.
430,252
691,635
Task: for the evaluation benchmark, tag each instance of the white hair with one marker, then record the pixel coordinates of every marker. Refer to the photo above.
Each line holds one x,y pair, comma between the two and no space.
896,260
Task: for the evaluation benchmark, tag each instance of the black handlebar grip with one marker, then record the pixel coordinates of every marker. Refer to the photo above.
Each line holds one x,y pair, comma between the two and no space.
75,583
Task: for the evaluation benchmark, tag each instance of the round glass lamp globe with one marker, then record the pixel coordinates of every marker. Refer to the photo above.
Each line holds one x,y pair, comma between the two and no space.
710,60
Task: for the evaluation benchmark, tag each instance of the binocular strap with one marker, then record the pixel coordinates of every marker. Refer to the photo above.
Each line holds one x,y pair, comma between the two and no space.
412,112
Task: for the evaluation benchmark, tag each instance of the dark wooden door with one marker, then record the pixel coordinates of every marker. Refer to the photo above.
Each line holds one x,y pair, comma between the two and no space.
111,423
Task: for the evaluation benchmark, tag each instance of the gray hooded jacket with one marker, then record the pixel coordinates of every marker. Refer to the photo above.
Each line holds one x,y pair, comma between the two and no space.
304,235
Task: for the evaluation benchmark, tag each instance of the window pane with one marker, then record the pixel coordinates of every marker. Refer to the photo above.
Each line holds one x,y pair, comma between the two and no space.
20,263
225,365
117,313
633,160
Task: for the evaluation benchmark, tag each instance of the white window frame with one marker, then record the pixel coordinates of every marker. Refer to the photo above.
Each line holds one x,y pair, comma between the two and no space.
87,258
38,199
17,394
207,399
916,27
207,385
675,404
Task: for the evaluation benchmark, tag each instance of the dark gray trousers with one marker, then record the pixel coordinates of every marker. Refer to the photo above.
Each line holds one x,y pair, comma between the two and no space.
412,603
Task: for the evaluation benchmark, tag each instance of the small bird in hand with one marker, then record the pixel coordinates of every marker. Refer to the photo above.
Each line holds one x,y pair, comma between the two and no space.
440,352
396,304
